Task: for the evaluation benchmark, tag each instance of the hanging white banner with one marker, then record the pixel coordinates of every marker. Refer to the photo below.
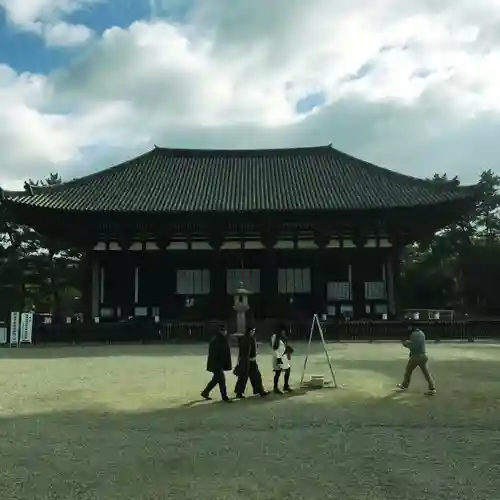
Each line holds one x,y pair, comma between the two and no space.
23,328
26,327
31,319
3,334
14,328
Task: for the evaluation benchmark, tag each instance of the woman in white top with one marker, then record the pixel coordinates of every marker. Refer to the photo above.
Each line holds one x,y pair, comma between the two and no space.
281,359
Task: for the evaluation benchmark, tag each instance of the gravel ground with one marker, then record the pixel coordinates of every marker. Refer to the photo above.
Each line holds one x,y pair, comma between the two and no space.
125,422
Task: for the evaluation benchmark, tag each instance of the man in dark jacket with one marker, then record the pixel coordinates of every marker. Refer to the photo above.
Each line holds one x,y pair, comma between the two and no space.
247,367
219,361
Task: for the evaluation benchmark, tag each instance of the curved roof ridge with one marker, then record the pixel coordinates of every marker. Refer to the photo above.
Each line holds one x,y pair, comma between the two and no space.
400,177
187,152
179,180
81,180
243,152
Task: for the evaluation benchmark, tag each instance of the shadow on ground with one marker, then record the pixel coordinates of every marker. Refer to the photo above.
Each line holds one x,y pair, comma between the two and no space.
270,398
265,448
365,440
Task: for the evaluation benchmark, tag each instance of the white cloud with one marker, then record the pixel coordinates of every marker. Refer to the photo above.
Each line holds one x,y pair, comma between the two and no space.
62,34
411,86
45,18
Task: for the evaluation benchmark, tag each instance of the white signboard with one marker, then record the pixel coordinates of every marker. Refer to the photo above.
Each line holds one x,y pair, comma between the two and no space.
3,334
23,328
14,328
26,333
31,320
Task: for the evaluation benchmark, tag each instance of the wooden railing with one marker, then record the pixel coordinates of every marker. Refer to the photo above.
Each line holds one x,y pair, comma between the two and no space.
201,332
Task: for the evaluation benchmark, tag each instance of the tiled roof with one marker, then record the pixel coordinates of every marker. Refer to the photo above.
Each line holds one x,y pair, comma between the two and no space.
182,180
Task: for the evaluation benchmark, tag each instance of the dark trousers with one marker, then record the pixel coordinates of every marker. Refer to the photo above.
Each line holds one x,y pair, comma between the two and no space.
418,362
255,379
277,375
218,378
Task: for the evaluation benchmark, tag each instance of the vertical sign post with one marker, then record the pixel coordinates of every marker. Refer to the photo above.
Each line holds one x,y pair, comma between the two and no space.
31,320
3,334
23,328
14,328
26,332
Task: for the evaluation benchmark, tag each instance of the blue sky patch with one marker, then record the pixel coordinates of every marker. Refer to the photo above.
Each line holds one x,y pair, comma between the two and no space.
421,73
26,51
310,102
104,15
362,71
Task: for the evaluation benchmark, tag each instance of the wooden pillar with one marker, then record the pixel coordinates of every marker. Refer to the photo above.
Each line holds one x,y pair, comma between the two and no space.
103,293
163,238
318,278
136,281
126,297
141,291
95,292
396,266
357,286
269,273
396,240
389,281
269,276
217,281
322,237
358,275
86,306
217,276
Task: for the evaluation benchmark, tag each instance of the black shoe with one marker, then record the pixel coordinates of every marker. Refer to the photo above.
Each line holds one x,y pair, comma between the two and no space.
204,395
239,396
277,391
227,400
287,389
263,393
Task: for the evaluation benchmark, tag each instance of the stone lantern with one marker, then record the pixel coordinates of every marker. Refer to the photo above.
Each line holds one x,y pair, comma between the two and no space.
241,307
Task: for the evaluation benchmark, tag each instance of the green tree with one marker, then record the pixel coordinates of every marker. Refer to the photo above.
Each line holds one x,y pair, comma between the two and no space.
459,266
37,272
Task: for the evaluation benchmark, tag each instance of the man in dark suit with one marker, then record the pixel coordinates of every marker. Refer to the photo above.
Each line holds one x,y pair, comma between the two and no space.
219,361
247,367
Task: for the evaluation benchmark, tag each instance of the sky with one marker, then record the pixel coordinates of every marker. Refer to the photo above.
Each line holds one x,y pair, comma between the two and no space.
413,86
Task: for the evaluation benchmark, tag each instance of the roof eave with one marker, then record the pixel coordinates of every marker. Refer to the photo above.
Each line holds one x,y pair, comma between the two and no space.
471,196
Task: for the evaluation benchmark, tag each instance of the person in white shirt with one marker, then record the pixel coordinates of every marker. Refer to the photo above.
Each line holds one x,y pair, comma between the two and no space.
281,360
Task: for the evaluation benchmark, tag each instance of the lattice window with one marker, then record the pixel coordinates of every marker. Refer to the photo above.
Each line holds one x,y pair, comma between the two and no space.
375,290
193,281
249,277
294,280
338,290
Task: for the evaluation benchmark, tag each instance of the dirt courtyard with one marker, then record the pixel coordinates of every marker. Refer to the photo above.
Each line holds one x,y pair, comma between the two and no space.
125,422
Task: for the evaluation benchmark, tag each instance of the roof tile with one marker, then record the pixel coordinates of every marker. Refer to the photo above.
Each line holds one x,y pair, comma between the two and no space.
179,180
